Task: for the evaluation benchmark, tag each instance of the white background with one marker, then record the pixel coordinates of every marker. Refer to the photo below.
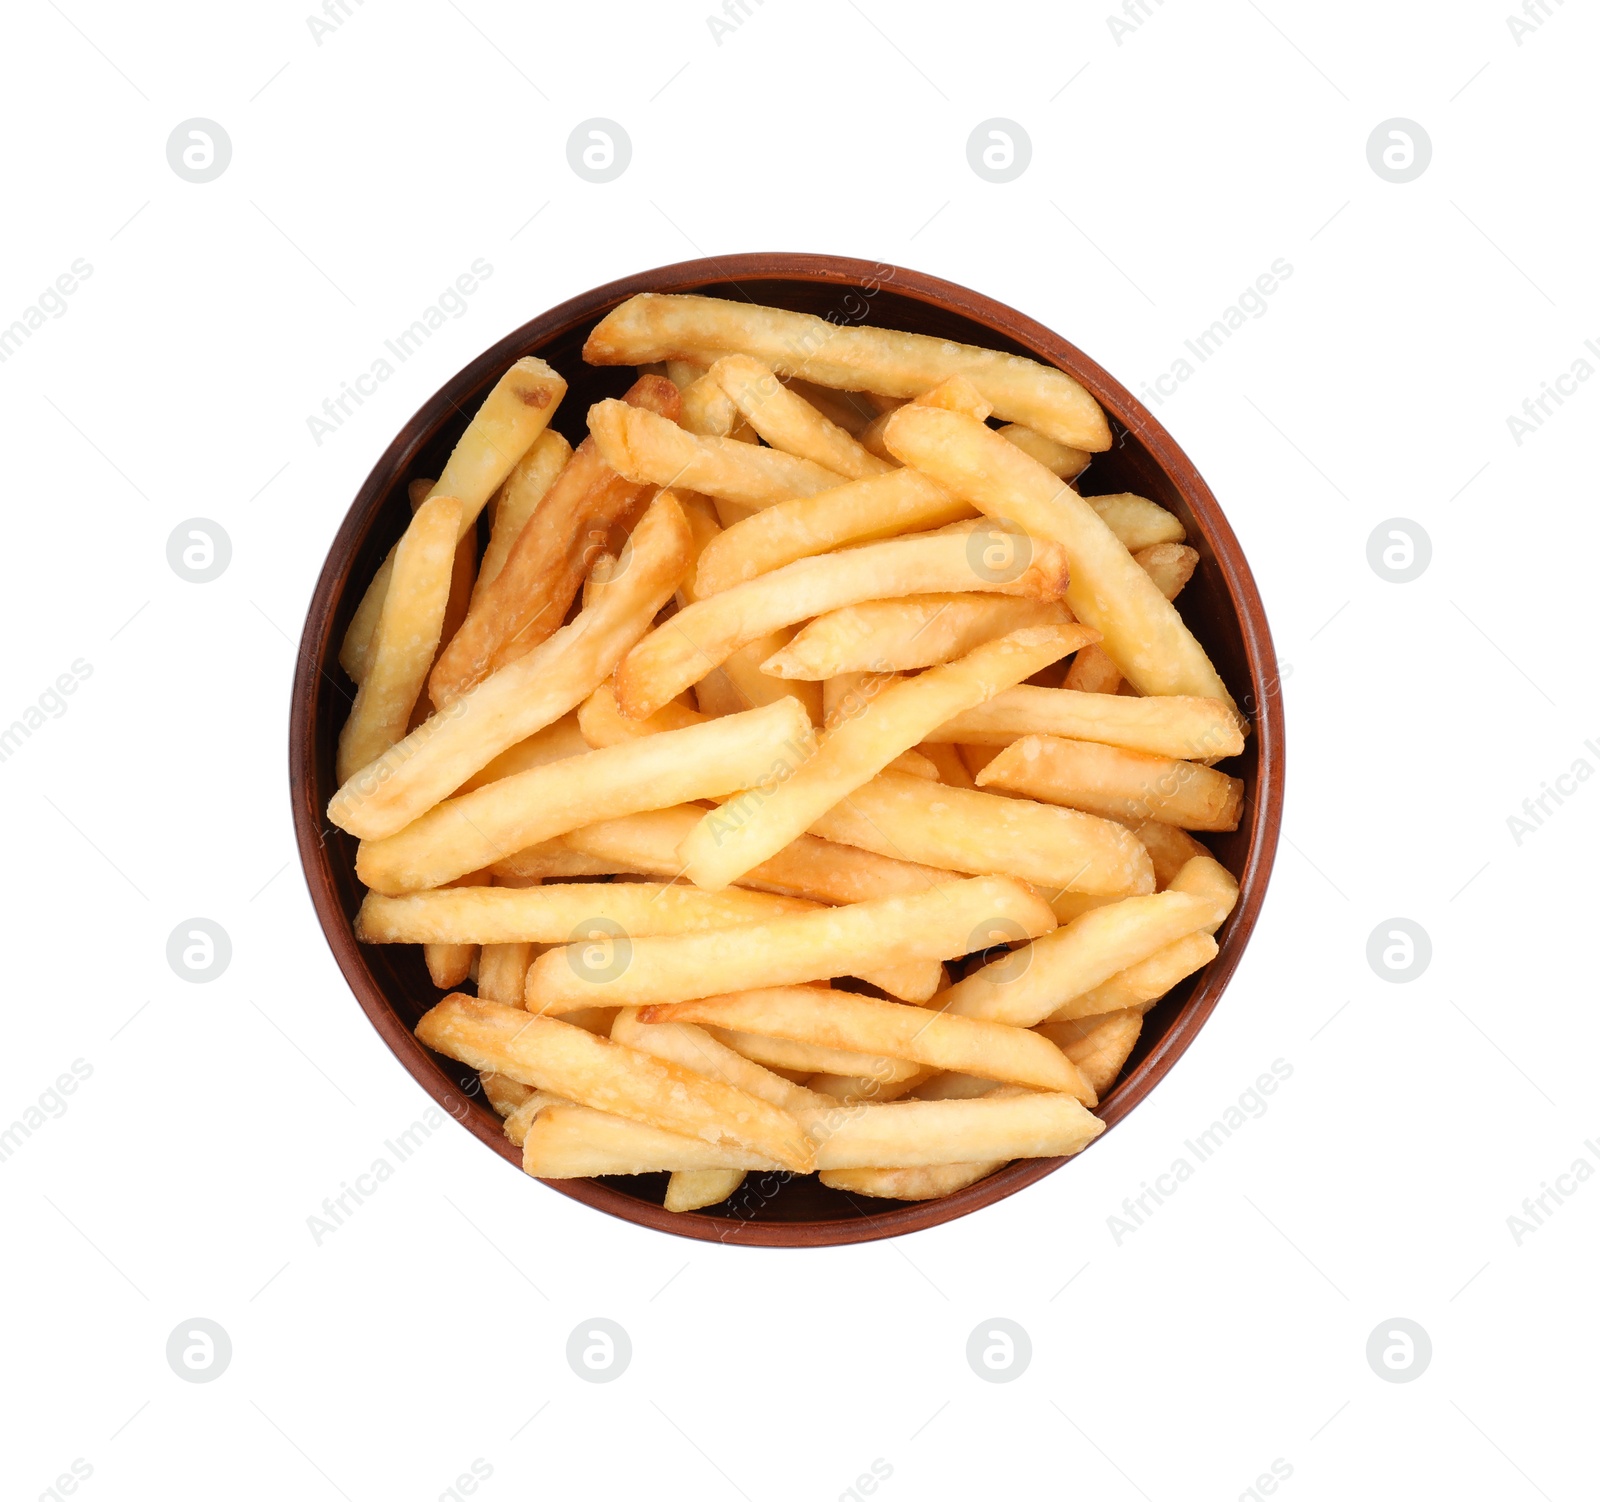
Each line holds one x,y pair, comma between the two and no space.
1169,169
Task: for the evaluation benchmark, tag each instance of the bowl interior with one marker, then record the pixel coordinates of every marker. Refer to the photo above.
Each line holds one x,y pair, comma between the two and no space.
1220,604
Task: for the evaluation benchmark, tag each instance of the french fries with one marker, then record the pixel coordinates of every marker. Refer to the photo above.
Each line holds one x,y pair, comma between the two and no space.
741,834
697,639
652,326
1117,784
934,925
1143,633
750,708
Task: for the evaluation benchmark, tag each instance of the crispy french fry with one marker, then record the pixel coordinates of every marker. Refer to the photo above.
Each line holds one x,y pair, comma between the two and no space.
1063,462
1171,725
602,723
1092,671
1143,634
862,1024
930,1183
355,649
553,861
516,500
1170,849
681,651
694,1189
513,703
958,830
854,359
862,511
694,1048
956,394
916,632
1026,986
741,834
1102,1046
517,1123
575,1142
572,524
504,1095
790,423
406,638
1201,876
935,925
554,743
1140,986
652,450
449,964
1170,566
684,373
574,1064
1114,783
708,410
502,971
467,833
553,913
811,1058
845,409
1138,523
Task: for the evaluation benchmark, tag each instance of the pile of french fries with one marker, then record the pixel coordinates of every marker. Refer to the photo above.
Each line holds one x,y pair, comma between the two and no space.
803,771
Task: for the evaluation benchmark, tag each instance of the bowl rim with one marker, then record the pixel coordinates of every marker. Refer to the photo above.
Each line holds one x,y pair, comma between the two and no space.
1264,810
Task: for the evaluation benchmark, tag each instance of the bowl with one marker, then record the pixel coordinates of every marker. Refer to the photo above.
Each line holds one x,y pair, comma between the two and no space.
1221,605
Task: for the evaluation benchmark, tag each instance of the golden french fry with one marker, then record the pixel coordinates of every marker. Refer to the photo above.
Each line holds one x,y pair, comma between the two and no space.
684,373
852,358
602,723
947,762
708,410
916,632
957,830
956,394
862,511
929,1183
685,648
934,925
1143,634
811,1059
449,964
844,409
748,830
1026,986
514,702
553,913
1201,876
517,499
862,1024
470,832
1138,523
694,1048
1170,849
694,1189
502,971
652,450
554,743
570,527
1099,1046
790,423
406,637
504,1095
1063,462
1172,725
1170,566
1140,986
356,647
1114,783
567,1061
517,1123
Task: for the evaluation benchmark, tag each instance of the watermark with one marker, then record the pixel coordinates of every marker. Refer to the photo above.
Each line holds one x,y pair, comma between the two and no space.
599,1350
1001,948
449,305
599,150
999,150
755,1192
198,950
199,1350
1399,1350
734,14
1250,1105
68,1481
199,150
1538,1208
52,703
1399,150
1399,950
48,1106
337,1209
1000,551
1534,14
334,14
1399,550
599,950
736,812
1268,1481
49,304
868,1481
1551,396
1134,14
999,1350
468,1481
1250,305
199,550
1556,790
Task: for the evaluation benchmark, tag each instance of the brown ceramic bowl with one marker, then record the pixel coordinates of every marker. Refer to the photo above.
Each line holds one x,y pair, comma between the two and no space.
1221,605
